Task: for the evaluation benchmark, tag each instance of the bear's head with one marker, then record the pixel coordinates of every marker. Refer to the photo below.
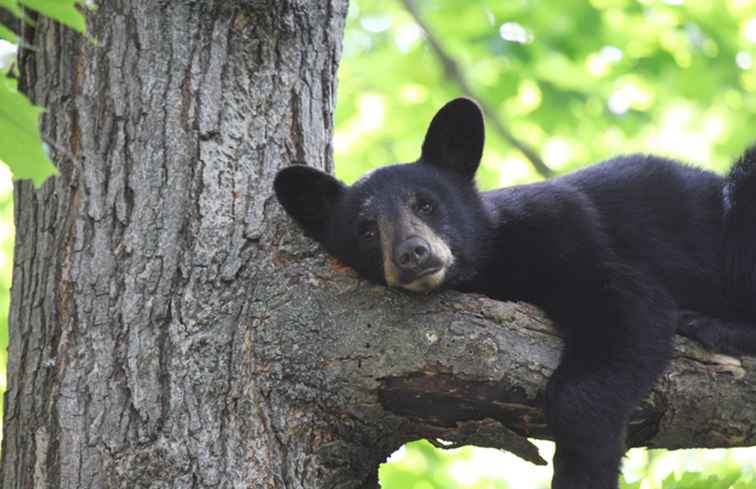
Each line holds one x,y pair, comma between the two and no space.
417,226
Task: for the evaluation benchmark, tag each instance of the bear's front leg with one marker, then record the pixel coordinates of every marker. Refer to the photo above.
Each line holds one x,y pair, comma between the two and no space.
613,354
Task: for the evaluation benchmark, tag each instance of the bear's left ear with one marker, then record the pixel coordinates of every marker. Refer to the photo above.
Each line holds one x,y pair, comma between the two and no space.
309,196
455,136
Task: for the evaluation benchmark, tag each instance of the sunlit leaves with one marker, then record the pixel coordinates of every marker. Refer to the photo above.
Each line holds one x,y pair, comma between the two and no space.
602,76
421,466
67,12
20,143
13,6
6,267
7,34
64,11
21,146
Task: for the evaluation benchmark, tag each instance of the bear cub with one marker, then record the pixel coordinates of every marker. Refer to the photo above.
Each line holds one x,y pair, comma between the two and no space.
620,255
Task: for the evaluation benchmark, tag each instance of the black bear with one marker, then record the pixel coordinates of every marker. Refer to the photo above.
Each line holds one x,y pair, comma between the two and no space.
620,255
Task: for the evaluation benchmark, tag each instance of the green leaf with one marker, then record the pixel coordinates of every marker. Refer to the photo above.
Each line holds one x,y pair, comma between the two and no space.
20,143
626,485
12,6
64,11
8,34
745,484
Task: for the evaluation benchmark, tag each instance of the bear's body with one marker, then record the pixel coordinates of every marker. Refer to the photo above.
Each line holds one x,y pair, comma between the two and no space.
619,255
669,230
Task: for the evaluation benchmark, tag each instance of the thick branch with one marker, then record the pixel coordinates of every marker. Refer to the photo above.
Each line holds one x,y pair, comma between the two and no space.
470,370
454,72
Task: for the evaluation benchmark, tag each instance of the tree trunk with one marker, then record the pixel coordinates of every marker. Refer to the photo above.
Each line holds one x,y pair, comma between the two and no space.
171,328
143,349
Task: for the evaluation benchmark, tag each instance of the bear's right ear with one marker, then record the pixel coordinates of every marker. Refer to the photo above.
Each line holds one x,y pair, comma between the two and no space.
454,140
309,196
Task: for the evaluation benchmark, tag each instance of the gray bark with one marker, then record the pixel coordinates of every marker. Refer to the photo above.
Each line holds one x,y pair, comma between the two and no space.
139,353
171,328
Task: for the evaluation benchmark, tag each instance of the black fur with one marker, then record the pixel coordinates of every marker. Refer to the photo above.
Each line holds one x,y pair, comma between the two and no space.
613,253
740,236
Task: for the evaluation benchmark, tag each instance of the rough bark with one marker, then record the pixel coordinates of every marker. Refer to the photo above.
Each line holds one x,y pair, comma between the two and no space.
171,328
138,355
466,369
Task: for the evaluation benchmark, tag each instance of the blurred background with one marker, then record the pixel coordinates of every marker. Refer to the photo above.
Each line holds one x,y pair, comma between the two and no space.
575,80
563,84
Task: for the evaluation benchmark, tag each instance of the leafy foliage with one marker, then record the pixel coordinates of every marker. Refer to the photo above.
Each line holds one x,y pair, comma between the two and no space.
420,465
579,80
6,267
7,34
64,11
21,146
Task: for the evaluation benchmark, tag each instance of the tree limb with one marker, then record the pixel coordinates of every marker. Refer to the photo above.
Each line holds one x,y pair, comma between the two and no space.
470,370
9,20
454,72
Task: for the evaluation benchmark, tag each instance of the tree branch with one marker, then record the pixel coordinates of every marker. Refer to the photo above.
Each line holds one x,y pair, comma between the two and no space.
454,72
9,20
470,370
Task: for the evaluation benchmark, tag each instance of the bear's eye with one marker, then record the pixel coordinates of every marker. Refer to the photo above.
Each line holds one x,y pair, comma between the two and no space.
424,208
368,231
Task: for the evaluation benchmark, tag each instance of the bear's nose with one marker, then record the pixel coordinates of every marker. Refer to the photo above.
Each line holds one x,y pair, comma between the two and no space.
412,253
